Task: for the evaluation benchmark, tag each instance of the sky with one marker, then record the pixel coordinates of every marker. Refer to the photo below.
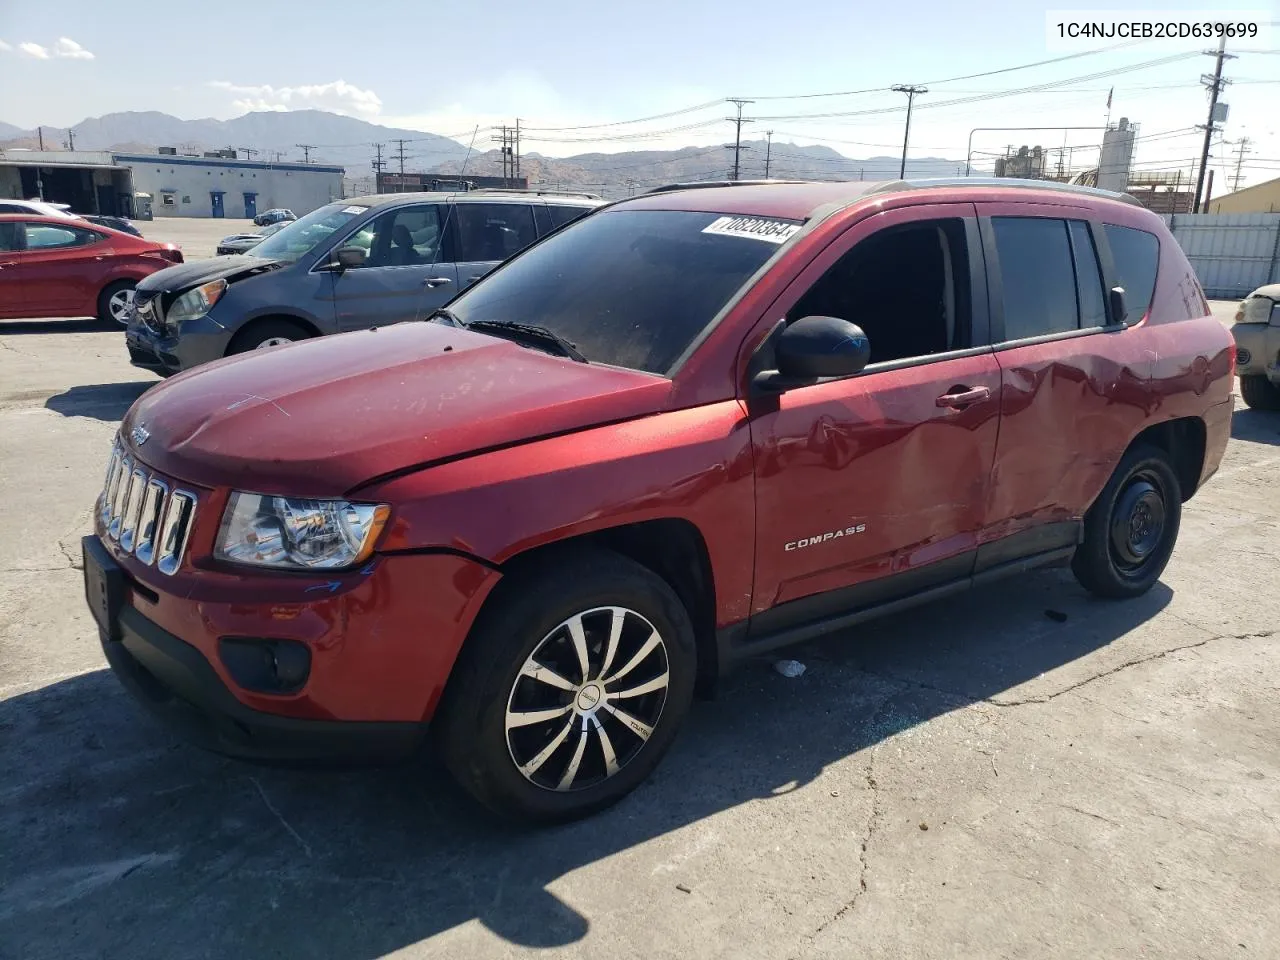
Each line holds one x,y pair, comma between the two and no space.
578,64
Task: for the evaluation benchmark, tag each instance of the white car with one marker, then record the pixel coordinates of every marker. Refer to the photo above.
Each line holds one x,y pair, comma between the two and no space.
1257,335
40,208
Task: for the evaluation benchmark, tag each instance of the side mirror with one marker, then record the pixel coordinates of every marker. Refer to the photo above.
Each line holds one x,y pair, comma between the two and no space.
1119,311
346,258
812,348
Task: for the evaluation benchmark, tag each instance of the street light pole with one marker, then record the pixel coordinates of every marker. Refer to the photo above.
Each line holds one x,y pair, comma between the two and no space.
911,91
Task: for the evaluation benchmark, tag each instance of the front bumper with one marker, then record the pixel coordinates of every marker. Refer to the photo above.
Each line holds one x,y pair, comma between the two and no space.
1257,350
200,341
374,680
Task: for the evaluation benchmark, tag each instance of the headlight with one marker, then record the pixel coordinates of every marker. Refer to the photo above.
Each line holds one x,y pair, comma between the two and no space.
298,534
196,303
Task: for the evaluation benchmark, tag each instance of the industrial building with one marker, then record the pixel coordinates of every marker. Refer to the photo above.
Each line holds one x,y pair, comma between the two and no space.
412,182
166,184
1260,198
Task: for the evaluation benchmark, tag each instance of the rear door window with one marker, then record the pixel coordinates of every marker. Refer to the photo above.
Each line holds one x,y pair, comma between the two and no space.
44,237
10,236
1136,254
492,231
1037,276
563,213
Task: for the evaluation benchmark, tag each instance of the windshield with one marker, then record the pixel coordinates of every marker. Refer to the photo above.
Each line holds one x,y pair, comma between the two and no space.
300,237
631,288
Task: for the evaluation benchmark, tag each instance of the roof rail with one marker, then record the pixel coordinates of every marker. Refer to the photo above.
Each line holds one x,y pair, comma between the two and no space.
896,186
705,184
538,192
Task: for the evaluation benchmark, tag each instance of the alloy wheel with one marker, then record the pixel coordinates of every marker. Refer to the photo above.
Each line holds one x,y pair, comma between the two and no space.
587,699
273,342
119,304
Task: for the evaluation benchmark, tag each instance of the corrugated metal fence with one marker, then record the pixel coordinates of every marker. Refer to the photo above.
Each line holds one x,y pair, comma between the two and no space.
1232,253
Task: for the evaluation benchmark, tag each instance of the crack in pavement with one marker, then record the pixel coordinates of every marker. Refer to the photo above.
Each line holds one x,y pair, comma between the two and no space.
1045,698
873,821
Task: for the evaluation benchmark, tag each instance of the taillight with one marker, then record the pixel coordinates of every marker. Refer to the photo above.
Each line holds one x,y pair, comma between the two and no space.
172,256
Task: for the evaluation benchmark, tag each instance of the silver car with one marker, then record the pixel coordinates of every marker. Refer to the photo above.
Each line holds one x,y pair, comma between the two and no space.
350,265
1257,335
242,242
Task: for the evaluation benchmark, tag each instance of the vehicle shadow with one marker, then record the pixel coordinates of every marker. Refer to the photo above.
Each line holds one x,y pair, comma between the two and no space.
100,401
83,325
122,841
1256,426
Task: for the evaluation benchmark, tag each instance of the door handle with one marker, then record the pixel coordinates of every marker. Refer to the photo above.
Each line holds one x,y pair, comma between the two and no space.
963,396
434,282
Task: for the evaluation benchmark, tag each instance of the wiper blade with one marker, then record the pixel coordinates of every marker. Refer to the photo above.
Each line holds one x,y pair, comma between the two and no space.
529,332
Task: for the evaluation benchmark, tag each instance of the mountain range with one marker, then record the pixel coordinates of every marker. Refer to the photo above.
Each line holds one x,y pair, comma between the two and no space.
348,142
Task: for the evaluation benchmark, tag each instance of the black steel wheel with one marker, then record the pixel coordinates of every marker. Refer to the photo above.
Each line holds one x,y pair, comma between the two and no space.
1130,530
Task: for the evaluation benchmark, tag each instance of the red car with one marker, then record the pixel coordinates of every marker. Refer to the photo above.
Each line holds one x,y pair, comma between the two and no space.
688,429
59,267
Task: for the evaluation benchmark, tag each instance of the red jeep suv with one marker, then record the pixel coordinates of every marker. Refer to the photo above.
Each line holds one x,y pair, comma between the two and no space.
691,427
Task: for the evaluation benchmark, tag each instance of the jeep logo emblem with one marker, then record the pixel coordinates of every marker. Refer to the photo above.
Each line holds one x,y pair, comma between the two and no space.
139,435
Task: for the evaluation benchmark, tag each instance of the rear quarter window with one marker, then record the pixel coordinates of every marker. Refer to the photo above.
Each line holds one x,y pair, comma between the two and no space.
1137,256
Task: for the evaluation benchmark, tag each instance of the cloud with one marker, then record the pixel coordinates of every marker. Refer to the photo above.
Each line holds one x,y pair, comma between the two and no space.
4,47
34,50
70,50
336,97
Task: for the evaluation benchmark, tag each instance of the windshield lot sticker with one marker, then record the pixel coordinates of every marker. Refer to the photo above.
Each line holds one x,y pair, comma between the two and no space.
753,228
354,209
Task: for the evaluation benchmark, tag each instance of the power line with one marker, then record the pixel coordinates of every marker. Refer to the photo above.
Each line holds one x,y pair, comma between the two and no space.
620,123
306,149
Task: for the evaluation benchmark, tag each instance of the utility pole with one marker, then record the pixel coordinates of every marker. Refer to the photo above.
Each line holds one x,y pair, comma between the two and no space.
399,155
249,153
517,145
71,139
1241,149
1208,193
306,149
1215,85
508,146
40,134
378,163
910,90
737,121
768,150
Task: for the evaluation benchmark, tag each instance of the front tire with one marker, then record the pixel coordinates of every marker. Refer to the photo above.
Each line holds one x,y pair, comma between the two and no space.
571,687
114,302
1259,393
1130,531
267,333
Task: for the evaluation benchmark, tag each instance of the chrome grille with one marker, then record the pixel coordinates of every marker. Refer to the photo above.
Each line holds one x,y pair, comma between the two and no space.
142,512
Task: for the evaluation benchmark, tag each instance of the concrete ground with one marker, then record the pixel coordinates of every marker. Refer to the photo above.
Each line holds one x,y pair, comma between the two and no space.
1020,772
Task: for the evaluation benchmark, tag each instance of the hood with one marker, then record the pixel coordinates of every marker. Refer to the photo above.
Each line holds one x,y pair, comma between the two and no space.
195,272
323,417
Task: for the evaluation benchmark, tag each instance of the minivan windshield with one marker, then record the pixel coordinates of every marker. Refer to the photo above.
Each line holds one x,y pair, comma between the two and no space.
631,288
300,237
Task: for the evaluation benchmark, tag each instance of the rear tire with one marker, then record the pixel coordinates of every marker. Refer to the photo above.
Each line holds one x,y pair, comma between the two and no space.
1259,393
114,301
267,333
523,658
1130,531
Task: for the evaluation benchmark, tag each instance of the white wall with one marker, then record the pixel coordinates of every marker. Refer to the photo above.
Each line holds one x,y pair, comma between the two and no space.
292,186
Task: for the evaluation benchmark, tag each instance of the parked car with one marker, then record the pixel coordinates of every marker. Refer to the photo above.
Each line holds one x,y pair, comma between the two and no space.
682,432
1257,335
347,266
39,208
115,223
64,267
277,215
242,242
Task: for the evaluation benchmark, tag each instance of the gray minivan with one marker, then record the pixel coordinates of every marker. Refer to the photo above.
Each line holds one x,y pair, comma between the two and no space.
350,265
